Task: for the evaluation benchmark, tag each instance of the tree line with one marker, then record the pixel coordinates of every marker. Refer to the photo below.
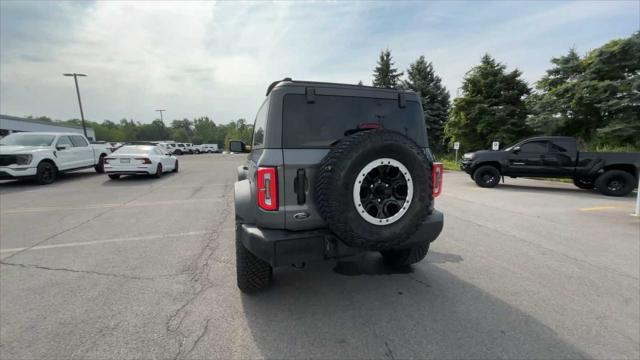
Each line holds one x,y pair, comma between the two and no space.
202,130
595,97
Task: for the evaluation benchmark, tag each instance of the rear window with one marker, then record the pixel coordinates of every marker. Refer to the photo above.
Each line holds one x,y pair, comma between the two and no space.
78,141
319,124
135,150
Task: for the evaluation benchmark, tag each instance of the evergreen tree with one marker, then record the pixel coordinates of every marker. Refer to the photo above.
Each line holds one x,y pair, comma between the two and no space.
491,107
595,98
385,75
435,100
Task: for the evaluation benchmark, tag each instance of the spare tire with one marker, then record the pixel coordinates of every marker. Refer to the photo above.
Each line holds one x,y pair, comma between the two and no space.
374,189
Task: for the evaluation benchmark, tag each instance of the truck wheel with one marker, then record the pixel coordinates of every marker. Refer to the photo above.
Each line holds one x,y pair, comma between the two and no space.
175,169
114,176
158,173
583,183
405,257
178,152
616,183
100,165
374,189
486,176
253,274
46,173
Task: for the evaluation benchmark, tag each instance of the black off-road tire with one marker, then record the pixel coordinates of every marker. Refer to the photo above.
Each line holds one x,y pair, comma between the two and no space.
100,165
486,176
176,168
158,173
114,176
178,152
46,173
583,184
405,257
616,183
337,177
253,274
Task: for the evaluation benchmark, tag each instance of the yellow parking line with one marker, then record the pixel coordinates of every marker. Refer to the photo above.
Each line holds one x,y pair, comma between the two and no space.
598,208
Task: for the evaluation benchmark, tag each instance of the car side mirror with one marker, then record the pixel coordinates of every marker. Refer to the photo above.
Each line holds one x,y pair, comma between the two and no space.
516,149
62,147
237,146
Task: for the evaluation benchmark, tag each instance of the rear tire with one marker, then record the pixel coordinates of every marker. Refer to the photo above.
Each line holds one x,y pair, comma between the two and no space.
158,173
46,173
486,176
114,176
178,152
405,257
175,169
253,274
100,165
616,183
583,184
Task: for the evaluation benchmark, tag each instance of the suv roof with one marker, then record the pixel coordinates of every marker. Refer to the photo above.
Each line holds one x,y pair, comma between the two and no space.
304,83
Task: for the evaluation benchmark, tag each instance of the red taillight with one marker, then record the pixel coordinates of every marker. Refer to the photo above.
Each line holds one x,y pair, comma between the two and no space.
267,188
436,179
144,160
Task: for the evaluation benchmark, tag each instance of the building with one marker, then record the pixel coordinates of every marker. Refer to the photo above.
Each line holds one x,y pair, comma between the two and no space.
10,124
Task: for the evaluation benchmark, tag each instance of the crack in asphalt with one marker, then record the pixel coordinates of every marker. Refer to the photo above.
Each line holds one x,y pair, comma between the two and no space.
90,272
388,353
199,282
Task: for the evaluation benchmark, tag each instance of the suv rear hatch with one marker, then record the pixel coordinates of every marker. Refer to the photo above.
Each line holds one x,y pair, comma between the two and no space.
312,124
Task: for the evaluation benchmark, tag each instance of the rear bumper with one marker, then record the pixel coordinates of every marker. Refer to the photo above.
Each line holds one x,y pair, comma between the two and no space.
284,248
126,170
8,173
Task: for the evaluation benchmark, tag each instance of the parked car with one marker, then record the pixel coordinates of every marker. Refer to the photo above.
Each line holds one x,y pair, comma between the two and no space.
42,155
611,173
337,170
210,148
189,148
167,147
140,160
180,149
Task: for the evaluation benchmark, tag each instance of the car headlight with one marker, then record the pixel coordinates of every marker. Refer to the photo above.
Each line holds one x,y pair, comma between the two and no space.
23,159
468,156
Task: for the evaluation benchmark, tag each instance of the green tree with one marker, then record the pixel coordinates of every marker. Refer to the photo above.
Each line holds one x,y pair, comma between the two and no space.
422,79
491,107
595,98
385,75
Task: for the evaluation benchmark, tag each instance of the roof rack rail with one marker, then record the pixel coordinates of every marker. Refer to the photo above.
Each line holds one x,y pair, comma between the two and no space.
273,84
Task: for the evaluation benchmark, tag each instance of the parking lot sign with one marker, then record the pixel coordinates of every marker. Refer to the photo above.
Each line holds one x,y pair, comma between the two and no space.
456,145
495,146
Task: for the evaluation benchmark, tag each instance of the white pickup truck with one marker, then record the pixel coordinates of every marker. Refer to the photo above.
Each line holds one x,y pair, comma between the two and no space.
43,155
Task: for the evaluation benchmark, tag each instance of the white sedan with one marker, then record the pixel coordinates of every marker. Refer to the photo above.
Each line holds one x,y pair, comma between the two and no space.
139,160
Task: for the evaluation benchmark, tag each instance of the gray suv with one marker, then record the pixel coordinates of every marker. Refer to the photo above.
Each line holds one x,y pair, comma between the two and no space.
334,170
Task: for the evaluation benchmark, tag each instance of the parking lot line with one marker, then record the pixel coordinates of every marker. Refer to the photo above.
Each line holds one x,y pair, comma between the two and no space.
95,242
598,208
105,206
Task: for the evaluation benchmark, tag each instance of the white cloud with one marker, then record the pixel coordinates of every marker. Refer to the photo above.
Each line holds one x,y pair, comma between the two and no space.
202,58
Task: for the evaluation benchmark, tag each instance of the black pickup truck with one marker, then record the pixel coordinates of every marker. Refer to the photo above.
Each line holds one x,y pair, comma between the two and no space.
611,173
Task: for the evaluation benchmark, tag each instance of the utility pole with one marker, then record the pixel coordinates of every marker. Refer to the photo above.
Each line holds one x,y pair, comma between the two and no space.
75,78
160,111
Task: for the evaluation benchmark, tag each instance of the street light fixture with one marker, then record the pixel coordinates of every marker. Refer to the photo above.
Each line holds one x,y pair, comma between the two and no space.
75,78
160,111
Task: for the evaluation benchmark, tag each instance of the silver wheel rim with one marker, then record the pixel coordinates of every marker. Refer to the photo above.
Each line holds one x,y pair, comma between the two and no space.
384,187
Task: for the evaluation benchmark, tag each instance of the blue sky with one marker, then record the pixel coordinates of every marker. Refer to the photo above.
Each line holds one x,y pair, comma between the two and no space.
216,59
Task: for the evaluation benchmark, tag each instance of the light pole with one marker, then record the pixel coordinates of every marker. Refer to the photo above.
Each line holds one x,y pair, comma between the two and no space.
75,78
160,111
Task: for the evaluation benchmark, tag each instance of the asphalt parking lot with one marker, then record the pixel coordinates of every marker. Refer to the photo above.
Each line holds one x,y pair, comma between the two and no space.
144,268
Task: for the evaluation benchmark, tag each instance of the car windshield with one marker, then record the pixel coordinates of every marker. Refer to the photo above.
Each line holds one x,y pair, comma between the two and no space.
135,150
28,140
